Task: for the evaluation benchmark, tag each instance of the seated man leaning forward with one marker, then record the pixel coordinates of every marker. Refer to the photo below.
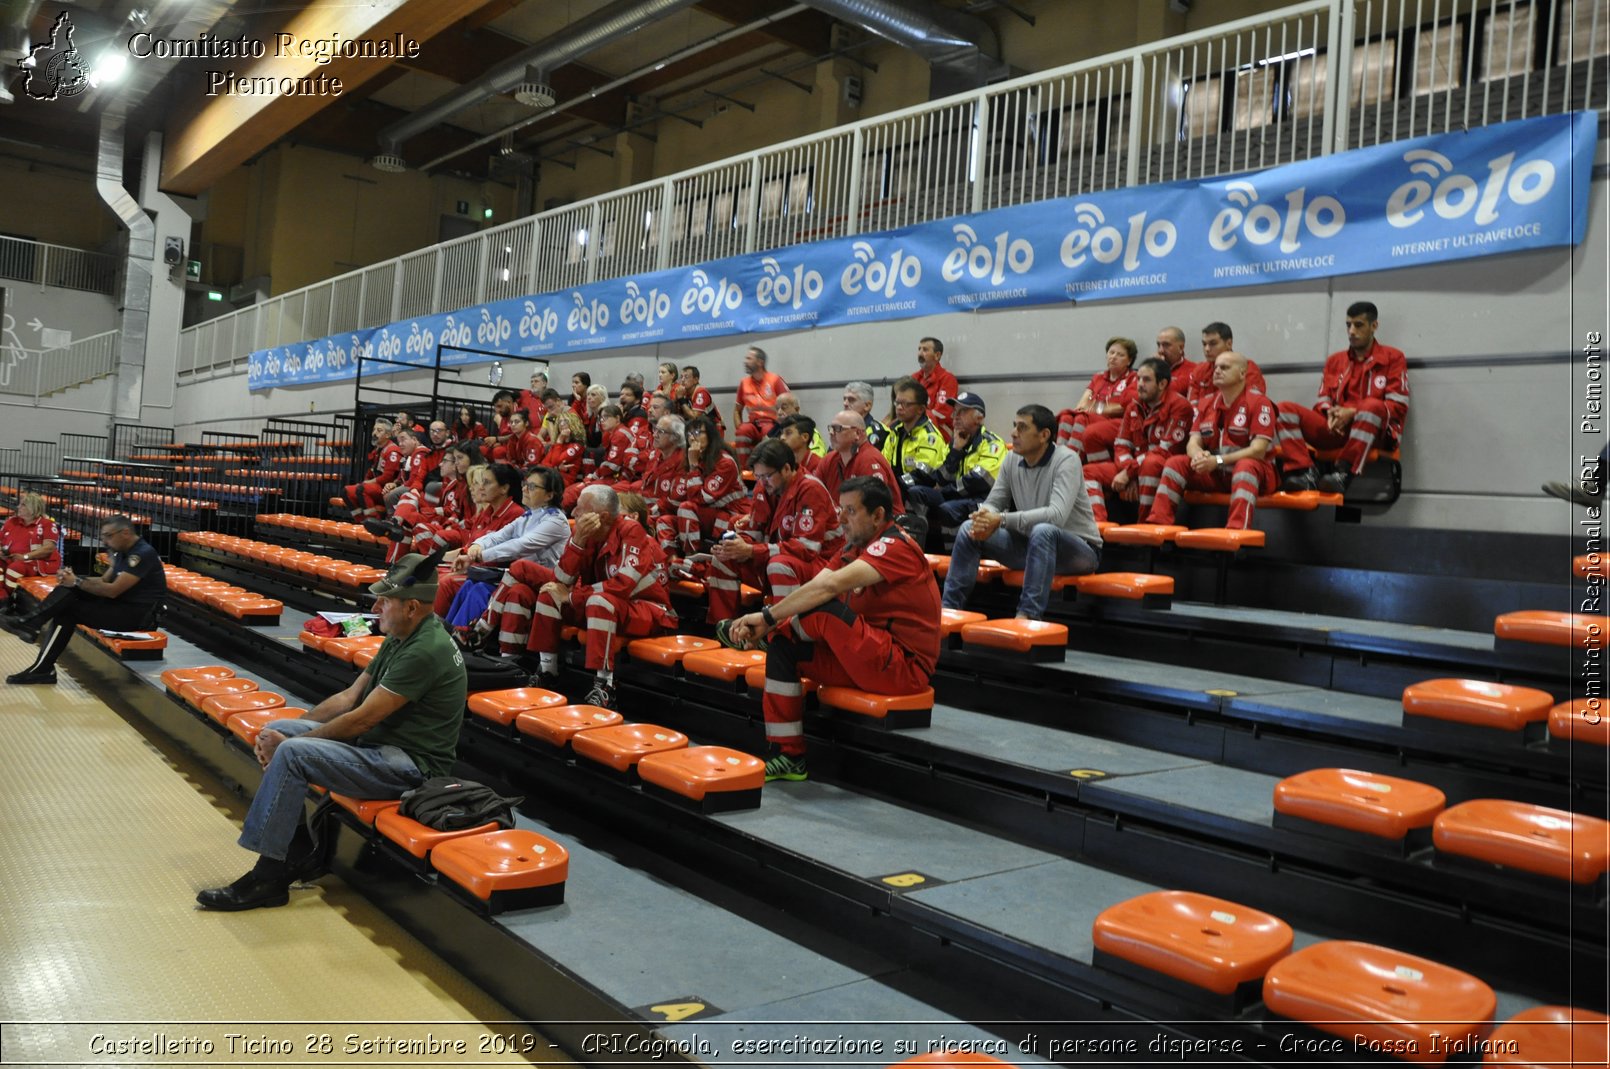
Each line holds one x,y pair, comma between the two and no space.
394,728
869,621
1037,518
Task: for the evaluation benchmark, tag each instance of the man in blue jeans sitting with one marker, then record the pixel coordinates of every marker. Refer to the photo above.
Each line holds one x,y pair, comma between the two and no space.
1037,518
395,727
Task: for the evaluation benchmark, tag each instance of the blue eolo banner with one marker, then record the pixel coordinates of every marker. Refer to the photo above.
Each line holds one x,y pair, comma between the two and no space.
1495,189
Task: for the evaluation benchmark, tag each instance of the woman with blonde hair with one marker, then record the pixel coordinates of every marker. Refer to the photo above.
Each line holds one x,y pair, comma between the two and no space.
565,454
31,542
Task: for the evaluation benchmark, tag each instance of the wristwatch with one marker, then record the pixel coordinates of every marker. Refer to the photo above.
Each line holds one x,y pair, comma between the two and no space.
1218,459
765,614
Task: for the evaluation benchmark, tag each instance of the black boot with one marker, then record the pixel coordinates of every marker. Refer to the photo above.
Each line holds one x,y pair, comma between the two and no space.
266,885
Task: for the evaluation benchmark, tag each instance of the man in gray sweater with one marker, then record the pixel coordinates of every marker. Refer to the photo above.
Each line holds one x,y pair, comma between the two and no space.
1037,518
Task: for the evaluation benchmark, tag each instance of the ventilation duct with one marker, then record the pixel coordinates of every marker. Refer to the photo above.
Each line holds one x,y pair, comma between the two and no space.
962,49
584,35
535,92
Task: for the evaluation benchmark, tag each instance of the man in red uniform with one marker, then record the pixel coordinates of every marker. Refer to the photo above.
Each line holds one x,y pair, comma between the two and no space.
883,636
612,575
634,417
504,405
1089,427
663,482
622,457
31,544
1171,350
385,460
755,412
696,401
530,399
796,432
1216,339
1154,428
941,384
853,456
1363,399
424,524
791,533
1229,449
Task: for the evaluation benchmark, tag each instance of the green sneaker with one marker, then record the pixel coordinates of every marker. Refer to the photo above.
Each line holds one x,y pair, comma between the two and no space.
784,766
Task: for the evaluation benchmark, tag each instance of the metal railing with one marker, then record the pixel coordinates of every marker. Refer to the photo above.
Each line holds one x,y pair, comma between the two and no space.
43,264
1292,84
39,373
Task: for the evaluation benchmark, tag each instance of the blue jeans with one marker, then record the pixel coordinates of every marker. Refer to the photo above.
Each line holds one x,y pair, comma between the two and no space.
1045,552
354,769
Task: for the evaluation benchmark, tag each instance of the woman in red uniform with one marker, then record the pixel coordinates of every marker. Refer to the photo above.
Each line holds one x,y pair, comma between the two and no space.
565,454
31,543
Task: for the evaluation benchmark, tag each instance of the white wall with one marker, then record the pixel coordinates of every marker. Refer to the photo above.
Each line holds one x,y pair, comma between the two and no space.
1480,439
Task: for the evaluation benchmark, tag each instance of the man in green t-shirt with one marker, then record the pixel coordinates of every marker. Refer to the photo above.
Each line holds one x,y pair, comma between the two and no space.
396,726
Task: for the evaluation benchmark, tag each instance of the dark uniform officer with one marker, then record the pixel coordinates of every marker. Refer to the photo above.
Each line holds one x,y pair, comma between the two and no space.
126,598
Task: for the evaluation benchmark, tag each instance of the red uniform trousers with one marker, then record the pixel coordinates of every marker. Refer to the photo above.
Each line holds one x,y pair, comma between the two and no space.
427,538
831,646
1245,480
1089,435
24,569
610,620
1300,424
509,611
780,576
698,525
365,499
1099,477
747,436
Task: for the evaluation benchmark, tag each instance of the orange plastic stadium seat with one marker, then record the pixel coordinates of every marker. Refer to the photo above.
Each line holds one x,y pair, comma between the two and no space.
1142,534
417,839
246,726
713,779
1040,639
887,710
1472,701
1394,1000
249,607
1552,628
341,573
1299,500
199,690
940,1058
939,563
557,724
1364,803
1591,565
1219,539
346,649
365,809
687,588
313,641
365,657
989,571
667,651
1551,1036
174,678
951,621
1013,577
1584,720
223,706
723,664
1203,942
503,870
621,746
502,706
755,680
1131,586
1532,838
131,648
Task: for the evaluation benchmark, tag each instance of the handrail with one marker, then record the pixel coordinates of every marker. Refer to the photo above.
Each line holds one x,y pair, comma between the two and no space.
44,263
1116,120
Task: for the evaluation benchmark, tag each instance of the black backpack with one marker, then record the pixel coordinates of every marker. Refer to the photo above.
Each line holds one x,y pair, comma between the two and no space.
491,673
449,804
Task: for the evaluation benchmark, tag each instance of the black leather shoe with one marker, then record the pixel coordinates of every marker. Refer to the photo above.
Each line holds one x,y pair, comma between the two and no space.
47,675
1336,482
22,626
248,892
1298,481
307,868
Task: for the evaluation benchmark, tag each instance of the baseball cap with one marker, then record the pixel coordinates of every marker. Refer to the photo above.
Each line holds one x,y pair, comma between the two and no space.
412,578
966,399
